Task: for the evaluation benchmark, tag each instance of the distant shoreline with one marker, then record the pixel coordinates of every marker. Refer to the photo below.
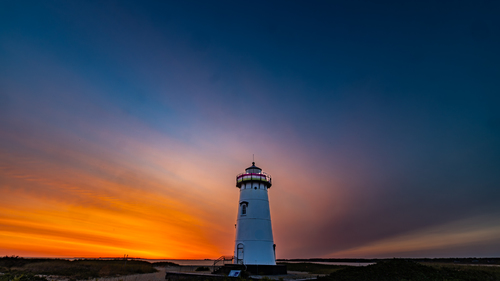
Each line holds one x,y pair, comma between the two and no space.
204,262
469,261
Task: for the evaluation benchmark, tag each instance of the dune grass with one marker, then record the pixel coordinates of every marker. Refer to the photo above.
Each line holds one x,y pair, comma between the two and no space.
403,270
77,269
164,263
21,277
493,271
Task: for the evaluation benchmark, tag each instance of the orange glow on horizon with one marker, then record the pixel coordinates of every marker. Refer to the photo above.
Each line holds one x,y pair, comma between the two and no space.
86,202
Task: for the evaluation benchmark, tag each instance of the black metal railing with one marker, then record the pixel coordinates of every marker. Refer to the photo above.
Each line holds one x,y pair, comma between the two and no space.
254,177
222,260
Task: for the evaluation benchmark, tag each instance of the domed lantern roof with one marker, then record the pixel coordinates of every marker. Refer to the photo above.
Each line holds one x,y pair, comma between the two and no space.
253,169
253,174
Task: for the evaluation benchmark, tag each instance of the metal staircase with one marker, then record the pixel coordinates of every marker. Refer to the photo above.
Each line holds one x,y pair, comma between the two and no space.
220,262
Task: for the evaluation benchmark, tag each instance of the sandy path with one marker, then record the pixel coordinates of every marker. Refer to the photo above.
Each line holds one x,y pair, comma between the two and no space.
160,275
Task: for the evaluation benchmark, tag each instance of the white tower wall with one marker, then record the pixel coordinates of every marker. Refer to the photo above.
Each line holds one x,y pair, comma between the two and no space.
254,236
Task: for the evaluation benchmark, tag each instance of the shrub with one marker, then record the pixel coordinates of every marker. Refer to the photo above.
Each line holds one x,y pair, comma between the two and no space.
77,269
21,277
398,269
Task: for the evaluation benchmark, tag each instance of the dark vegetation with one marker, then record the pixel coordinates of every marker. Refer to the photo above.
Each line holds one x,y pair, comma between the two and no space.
164,263
21,277
202,268
21,269
77,269
400,270
313,268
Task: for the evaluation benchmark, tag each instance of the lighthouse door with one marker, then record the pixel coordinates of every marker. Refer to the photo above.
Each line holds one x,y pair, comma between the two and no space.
239,254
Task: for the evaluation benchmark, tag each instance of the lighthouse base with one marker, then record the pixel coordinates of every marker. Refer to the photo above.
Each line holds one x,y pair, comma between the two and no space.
255,269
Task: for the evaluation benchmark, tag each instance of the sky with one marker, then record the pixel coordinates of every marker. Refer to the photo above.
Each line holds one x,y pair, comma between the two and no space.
123,125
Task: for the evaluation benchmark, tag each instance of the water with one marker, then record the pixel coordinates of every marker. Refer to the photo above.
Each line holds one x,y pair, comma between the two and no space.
333,263
211,262
186,262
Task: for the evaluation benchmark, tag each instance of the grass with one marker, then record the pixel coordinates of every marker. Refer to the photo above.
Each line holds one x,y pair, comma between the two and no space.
19,269
21,277
493,271
77,269
164,263
403,270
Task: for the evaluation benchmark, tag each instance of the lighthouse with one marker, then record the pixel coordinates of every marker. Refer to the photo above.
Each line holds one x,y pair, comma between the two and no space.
254,243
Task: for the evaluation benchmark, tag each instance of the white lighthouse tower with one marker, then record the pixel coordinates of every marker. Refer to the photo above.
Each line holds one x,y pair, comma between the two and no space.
254,243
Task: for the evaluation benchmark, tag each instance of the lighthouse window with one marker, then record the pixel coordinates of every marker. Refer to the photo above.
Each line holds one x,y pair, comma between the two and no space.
244,206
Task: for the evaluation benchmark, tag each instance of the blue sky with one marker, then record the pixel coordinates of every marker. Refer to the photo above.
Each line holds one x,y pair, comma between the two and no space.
378,120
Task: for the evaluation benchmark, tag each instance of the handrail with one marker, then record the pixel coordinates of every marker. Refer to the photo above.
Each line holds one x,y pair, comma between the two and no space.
261,173
223,259
262,176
